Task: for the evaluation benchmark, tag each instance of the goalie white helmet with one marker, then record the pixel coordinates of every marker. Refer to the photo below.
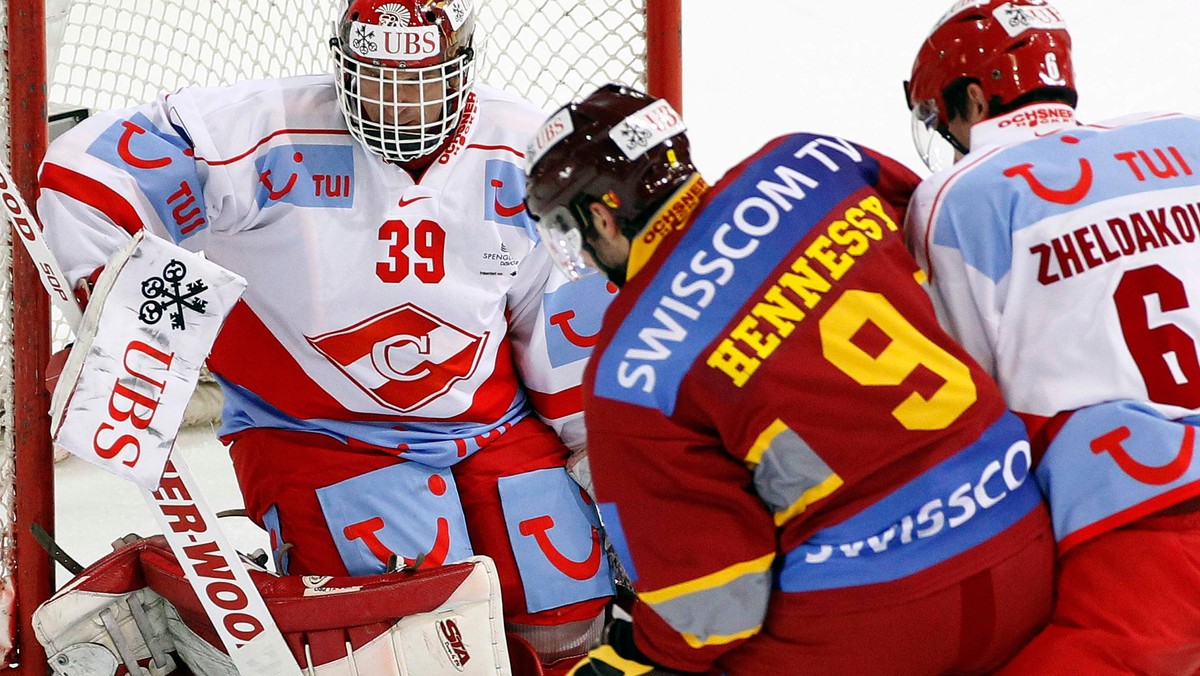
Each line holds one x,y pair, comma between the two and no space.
404,70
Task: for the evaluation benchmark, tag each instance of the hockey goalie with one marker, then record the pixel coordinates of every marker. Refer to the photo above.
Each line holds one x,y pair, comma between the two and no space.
186,602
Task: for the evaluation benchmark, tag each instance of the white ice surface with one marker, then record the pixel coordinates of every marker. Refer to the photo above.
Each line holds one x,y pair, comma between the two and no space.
93,507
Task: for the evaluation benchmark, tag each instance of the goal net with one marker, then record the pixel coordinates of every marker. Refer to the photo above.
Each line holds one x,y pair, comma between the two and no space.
100,54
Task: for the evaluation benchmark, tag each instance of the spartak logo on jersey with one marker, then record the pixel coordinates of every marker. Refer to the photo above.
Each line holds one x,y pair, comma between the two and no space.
403,358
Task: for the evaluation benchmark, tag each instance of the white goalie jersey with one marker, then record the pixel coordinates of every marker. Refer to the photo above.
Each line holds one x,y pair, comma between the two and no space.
419,315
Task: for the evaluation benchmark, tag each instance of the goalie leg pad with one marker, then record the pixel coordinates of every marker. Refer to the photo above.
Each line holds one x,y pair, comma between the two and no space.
280,473
440,620
106,617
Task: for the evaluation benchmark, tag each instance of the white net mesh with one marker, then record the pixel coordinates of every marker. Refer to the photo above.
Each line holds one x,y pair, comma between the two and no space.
121,52
551,51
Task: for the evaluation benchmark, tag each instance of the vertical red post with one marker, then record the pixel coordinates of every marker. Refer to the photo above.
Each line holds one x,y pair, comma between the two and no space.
27,107
664,50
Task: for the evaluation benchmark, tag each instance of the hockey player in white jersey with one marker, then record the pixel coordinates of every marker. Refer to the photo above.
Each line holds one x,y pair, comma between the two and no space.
1064,257
401,377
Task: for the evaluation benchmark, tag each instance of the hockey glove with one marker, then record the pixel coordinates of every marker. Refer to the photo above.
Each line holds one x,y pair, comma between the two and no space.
619,656
604,661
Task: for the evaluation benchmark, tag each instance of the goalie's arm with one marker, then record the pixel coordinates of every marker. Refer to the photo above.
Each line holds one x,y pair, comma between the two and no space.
551,322
111,176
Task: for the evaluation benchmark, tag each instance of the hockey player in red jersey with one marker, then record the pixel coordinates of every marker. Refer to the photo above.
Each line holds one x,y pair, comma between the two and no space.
1062,256
401,377
799,470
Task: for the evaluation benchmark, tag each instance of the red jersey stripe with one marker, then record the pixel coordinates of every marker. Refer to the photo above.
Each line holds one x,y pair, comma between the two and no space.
92,193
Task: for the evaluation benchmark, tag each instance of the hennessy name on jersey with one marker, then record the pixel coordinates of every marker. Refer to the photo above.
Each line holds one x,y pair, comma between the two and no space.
731,248
756,336
1099,243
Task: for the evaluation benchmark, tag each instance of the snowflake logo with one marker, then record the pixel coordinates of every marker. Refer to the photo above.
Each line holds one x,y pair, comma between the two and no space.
364,40
165,295
394,15
634,137
459,11
1016,17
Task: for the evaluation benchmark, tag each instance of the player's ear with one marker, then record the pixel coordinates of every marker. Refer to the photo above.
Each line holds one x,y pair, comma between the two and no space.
976,104
604,221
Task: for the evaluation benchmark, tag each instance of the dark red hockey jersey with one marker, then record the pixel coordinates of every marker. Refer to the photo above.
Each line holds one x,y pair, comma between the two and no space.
773,411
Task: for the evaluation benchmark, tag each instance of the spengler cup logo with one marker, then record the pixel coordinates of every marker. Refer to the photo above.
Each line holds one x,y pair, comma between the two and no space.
403,358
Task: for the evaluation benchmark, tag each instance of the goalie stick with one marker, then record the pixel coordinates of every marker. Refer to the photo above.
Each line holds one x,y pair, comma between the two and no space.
212,565
30,234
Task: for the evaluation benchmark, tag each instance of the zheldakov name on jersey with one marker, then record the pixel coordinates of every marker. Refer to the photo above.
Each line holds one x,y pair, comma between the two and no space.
1099,243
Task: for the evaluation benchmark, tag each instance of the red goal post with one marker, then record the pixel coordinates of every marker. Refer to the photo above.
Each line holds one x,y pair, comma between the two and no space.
97,54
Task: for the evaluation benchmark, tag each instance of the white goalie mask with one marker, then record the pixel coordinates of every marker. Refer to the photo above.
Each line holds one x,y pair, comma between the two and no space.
404,70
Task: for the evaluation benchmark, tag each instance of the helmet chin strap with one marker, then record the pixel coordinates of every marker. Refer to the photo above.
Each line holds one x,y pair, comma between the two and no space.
615,274
950,138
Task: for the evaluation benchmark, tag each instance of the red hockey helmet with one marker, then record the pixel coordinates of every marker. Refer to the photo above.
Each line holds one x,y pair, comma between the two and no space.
404,69
619,147
1010,47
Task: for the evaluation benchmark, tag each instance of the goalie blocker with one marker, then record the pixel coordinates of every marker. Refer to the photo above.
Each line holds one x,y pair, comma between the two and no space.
135,605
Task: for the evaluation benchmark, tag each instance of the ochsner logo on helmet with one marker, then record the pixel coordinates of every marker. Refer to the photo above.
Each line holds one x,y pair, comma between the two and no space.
647,128
1018,19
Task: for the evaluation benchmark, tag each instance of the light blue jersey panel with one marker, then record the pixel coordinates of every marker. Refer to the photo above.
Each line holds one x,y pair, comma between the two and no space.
1054,175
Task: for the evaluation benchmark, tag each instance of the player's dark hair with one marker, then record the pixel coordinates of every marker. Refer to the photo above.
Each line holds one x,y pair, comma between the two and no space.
1065,95
955,96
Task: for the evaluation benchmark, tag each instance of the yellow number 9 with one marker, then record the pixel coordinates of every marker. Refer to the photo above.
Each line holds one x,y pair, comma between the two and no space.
907,350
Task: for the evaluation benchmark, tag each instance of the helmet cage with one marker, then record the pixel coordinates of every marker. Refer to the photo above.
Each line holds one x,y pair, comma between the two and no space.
404,70
415,110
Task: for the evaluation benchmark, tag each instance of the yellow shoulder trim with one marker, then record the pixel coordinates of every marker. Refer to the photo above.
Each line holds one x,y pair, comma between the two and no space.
763,442
710,581
809,496
695,642
670,218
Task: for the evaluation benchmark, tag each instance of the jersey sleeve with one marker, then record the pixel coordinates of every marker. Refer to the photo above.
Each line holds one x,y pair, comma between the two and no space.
966,299
692,538
115,174
553,322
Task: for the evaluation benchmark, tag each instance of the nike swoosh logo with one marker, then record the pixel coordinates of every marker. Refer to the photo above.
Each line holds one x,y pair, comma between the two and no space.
403,202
